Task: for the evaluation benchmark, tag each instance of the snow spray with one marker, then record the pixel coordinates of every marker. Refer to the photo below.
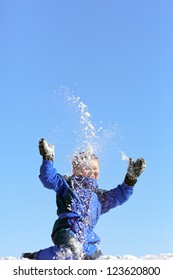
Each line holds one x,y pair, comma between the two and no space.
92,138
124,156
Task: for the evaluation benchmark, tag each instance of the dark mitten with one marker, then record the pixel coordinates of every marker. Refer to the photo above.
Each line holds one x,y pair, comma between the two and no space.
46,150
134,170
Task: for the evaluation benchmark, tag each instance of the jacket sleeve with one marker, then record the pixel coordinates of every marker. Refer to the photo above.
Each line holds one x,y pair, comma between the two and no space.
115,197
51,179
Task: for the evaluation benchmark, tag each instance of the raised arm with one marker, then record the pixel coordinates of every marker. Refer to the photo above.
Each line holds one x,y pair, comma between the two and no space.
114,197
48,174
120,194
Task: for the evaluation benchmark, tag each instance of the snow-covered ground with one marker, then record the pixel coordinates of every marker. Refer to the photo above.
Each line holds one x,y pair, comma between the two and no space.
163,256
145,257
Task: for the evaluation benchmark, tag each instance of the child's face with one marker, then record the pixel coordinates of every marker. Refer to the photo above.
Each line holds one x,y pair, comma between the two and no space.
90,170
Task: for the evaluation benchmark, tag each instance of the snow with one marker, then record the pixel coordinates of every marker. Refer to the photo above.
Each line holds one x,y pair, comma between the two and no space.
124,156
89,135
87,128
163,256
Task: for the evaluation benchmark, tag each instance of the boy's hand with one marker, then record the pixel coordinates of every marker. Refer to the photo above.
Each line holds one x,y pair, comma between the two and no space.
134,170
46,150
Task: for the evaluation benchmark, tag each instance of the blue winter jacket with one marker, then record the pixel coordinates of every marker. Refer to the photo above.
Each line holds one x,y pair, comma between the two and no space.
79,205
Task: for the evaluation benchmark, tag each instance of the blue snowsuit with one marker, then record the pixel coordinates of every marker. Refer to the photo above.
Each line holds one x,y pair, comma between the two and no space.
79,205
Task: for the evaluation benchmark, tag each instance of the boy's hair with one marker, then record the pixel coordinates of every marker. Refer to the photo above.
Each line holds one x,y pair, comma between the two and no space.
83,158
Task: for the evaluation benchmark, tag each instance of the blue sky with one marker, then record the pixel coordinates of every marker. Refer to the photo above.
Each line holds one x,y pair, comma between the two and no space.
117,56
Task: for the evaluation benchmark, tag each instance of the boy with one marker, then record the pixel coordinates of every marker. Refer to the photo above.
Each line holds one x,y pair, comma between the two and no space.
80,203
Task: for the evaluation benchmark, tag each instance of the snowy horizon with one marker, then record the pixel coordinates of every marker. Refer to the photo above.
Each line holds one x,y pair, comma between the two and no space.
162,256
